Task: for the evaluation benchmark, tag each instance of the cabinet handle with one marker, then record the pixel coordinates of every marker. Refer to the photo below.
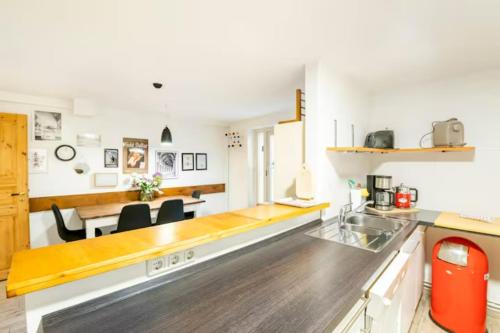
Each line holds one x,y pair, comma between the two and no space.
15,194
358,313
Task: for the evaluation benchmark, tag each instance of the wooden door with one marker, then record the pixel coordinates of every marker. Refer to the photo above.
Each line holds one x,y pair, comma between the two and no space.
14,213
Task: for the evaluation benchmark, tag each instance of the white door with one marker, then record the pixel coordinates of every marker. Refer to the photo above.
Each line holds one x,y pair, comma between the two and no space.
264,164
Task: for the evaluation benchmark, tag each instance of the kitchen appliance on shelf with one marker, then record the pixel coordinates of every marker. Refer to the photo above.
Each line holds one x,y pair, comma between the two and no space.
380,191
380,139
459,286
405,197
449,133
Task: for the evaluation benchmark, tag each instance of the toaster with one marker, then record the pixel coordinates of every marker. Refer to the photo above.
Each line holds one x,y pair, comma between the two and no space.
380,139
448,133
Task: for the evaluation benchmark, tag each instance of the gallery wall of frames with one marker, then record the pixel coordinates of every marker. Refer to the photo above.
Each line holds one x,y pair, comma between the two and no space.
103,152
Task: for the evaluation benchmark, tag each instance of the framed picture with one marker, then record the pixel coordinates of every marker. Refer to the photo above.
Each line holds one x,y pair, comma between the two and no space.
135,155
37,158
110,158
105,179
166,163
187,161
88,140
201,161
47,126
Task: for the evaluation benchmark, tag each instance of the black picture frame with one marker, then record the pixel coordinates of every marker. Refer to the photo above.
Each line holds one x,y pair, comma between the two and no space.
185,166
114,151
201,155
58,154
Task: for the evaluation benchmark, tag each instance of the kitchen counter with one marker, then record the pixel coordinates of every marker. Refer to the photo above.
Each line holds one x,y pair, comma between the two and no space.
45,267
289,283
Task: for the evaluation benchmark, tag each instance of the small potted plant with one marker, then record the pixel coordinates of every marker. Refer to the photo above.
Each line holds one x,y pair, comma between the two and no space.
149,186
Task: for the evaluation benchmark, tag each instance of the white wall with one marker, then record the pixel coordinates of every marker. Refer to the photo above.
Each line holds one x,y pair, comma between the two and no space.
113,125
450,182
242,189
330,96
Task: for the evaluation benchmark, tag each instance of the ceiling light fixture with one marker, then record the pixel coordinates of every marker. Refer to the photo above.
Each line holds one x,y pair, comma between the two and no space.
166,135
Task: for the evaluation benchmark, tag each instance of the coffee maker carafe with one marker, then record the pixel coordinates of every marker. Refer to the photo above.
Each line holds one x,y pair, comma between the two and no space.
380,191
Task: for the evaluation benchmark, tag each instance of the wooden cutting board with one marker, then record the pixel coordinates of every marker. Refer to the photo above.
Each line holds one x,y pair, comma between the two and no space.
454,221
392,211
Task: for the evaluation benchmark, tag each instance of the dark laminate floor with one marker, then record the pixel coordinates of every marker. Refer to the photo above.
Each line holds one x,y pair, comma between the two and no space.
293,283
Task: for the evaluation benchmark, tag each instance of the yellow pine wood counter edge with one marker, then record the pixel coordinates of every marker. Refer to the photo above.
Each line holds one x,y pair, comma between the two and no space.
22,280
454,221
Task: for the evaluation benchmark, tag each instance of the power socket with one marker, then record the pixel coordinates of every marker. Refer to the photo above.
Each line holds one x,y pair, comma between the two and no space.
190,255
157,265
176,259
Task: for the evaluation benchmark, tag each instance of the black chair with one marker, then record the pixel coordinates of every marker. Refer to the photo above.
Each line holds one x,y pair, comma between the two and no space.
171,211
133,217
196,194
66,234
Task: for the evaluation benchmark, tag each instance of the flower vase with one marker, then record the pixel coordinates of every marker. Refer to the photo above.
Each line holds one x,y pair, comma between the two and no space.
147,196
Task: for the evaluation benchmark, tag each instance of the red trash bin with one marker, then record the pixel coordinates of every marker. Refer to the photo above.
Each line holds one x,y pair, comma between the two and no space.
459,286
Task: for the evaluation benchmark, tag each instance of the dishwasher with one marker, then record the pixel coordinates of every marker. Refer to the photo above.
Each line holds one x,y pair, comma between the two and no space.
395,295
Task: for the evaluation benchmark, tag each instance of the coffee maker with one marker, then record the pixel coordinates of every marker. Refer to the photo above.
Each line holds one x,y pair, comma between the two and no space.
380,191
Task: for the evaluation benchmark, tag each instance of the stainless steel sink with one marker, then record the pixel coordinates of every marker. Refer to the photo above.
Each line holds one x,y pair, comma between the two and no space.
362,231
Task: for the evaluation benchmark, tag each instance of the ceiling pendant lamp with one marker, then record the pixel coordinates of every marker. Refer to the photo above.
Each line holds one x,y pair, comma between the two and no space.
166,136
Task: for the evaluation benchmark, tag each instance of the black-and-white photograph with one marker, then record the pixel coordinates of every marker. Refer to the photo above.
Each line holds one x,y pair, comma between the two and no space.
166,164
111,158
47,126
201,161
187,161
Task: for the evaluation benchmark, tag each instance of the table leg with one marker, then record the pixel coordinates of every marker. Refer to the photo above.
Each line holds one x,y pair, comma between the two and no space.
89,231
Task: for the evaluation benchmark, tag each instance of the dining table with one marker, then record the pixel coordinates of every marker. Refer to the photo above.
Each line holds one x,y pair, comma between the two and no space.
106,215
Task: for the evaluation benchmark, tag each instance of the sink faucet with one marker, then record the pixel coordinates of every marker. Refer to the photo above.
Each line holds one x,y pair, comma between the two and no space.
346,209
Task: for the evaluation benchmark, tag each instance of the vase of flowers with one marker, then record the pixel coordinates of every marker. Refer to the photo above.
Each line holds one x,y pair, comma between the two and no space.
149,186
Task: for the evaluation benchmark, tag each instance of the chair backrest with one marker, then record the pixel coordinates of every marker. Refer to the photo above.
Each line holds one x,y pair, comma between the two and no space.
196,194
134,217
61,227
171,211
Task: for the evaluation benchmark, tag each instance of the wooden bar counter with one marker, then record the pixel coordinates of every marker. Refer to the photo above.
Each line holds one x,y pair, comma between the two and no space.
49,266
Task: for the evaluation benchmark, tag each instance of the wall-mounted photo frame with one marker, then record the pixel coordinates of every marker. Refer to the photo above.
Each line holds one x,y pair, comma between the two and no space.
47,126
88,140
37,158
187,161
201,161
102,179
135,155
166,163
111,158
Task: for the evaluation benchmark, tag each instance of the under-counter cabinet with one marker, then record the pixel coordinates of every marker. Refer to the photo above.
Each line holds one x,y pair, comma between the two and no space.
395,295
393,298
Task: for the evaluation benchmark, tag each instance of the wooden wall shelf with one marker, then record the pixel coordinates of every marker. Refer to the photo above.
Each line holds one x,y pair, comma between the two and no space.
399,150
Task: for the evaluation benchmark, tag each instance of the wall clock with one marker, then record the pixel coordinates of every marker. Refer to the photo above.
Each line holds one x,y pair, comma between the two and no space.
65,153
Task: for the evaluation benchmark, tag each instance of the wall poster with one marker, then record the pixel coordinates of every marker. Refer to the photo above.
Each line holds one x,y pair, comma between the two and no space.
135,155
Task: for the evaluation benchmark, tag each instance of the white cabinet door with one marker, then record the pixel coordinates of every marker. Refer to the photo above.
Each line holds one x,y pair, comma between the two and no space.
354,321
396,293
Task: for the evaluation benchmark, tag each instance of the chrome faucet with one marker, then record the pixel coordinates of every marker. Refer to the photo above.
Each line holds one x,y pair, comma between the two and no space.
346,209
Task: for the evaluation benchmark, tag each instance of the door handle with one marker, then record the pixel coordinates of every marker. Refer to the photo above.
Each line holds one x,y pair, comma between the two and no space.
15,194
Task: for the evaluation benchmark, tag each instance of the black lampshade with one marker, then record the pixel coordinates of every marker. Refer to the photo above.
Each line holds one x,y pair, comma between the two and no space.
166,136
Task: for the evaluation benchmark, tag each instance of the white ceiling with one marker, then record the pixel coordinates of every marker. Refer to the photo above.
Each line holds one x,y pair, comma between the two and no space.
231,59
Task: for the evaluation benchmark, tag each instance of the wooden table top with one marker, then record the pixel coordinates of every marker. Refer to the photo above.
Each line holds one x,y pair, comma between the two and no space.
49,266
105,210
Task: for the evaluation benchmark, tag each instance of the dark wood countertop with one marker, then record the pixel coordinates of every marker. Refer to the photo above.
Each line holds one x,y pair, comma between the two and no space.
289,283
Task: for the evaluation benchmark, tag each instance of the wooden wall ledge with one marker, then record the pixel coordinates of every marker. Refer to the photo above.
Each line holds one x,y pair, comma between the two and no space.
91,199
